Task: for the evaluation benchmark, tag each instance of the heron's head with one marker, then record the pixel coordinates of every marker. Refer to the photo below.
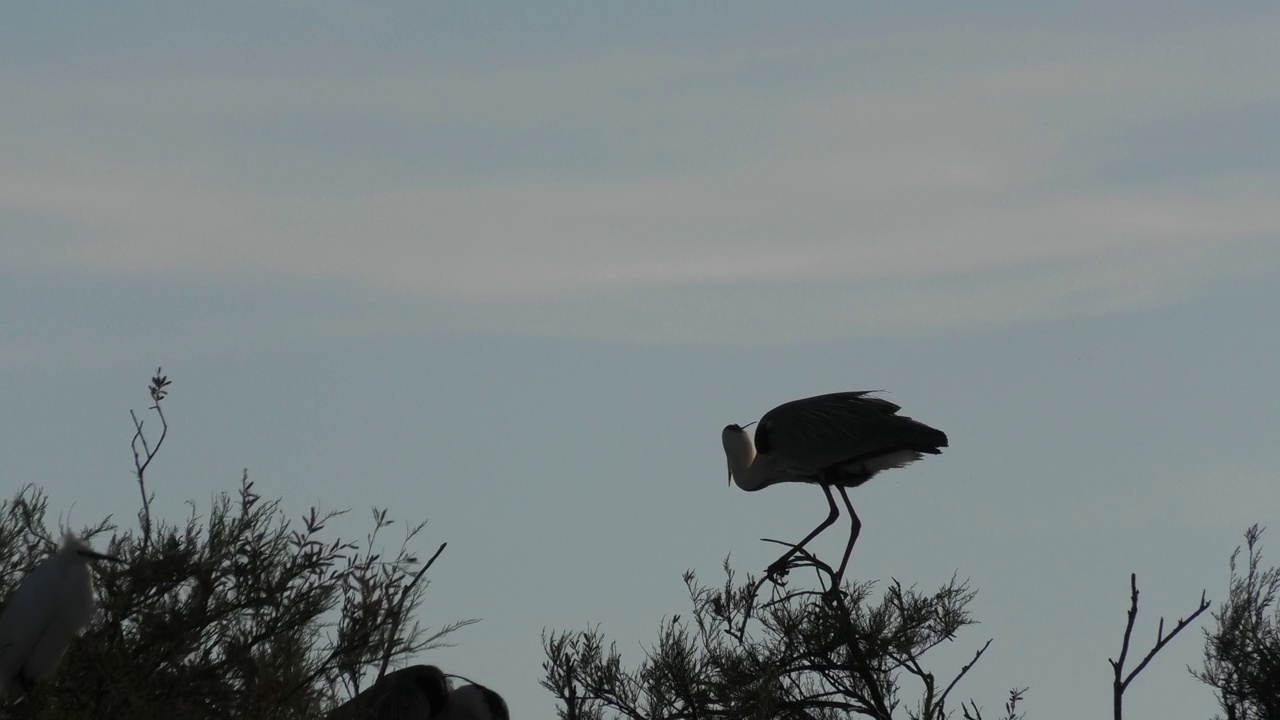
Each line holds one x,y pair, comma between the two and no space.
75,548
432,683
738,449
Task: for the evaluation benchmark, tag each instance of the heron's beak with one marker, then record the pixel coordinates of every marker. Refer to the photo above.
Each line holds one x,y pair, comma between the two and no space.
99,556
753,422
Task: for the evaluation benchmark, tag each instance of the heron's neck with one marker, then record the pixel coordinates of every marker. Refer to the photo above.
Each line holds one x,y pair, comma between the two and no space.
746,473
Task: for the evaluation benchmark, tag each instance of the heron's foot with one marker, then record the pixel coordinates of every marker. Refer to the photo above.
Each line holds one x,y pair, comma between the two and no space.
778,571
834,596
26,683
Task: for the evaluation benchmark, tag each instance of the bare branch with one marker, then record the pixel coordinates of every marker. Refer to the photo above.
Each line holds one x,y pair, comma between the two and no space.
398,614
158,390
1121,680
942,699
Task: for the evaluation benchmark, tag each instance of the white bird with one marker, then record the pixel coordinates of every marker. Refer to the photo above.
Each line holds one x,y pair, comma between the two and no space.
840,440
51,606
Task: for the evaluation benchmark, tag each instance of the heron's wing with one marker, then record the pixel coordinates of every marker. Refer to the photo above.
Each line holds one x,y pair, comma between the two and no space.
26,619
818,432
405,694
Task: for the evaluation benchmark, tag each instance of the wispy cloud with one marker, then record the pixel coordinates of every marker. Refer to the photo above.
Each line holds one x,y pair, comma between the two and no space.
978,191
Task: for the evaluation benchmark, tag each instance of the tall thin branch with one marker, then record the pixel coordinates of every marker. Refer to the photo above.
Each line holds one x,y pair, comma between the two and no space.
942,699
142,460
398,612
1121,680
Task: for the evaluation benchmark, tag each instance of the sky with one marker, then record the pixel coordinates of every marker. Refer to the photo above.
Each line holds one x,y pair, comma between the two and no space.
510,268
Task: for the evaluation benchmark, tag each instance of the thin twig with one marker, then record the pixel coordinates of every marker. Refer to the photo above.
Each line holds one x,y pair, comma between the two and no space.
1117,685
27,513
942,699
1162,640
399,609
1121,681
158,390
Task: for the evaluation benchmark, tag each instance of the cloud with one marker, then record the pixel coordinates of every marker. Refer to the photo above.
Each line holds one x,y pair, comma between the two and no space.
970,197
784,219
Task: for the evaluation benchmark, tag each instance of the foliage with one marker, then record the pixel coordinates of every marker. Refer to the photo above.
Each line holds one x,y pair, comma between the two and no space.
787,653
1242,653
240,613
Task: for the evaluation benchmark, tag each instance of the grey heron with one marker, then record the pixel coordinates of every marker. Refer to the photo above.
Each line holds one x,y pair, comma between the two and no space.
418,692
476,702
50,607
838,440
422,692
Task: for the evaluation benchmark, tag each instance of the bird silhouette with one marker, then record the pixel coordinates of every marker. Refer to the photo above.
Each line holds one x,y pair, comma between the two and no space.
839,440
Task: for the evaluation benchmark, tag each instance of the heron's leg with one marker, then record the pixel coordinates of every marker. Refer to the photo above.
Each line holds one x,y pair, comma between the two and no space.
25,682
855,527
780,564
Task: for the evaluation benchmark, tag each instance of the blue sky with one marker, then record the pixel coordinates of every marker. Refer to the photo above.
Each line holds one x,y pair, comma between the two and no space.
511,268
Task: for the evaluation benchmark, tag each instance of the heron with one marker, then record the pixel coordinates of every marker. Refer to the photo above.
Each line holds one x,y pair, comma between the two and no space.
422,692
476,702
51,606
838,440
418,692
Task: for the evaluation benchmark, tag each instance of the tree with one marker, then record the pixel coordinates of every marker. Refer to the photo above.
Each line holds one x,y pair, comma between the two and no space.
240,613
1242,653
803,653
784,652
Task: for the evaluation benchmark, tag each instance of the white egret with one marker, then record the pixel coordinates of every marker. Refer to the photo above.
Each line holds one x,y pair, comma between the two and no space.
839,440
51,606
